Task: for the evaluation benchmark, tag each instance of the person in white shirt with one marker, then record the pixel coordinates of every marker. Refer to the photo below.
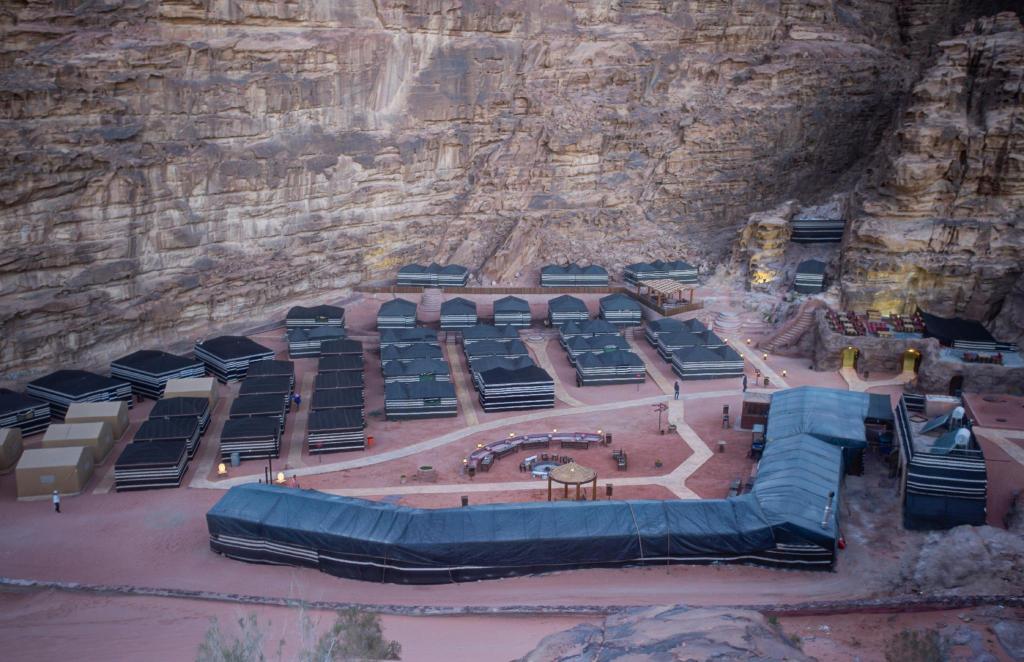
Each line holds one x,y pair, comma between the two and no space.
56,501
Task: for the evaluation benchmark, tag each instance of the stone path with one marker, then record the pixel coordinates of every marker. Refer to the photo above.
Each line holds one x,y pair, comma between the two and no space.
462,392
540,351
209,452
298,420
855,383
652,370
753,356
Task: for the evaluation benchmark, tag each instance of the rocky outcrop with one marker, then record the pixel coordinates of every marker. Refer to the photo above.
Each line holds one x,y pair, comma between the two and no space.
941,221
178,166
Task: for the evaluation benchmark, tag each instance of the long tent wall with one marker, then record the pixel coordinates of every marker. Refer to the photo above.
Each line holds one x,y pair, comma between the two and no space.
149,465
677,270
707,363
171,429
512,311
817,230
940,490
274,368
251,438
810,277
412,400
335,430
189,408
615,367
303,317
63,387
28,414
503,389
783,522
573,275
396,314
149,370
433,275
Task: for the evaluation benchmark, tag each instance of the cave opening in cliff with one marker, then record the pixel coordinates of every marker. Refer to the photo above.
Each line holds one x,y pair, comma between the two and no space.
849,357
911,360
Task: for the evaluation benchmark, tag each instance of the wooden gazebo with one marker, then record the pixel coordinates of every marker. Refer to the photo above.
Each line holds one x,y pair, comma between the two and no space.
573,474
664,290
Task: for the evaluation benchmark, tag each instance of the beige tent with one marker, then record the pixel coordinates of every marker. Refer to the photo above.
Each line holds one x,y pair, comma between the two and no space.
43,470
115,413
197,387
95,436
10,448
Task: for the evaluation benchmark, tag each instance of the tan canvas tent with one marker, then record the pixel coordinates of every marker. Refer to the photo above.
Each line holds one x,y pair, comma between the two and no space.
115,413
10,448
197,387
43,470
94,436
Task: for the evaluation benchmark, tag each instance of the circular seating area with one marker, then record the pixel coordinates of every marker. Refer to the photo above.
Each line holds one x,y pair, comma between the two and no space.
485,455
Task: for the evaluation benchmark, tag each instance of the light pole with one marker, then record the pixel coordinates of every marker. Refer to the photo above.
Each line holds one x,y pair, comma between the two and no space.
660,407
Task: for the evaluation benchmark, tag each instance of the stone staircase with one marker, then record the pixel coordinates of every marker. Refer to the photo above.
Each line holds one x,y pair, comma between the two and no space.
794,329
728,322
429,309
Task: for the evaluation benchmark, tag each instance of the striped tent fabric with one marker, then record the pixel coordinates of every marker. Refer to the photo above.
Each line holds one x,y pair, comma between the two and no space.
148,465
410,353
621,310
63,387
341,347
566,309
580,345
665,325
486,363
228,357
586,329
343,363
164,430
433,275
488,332
396,314
28,414
280,386
670,343
817,230
306,343
344,380
501,348
420,370
707,363
612,367
334,431
303,317
273,368
810,277
260,406
188,408
573,275
451,275
412,400
458,313
962,333
336,398
253,438
512,311
405,337
149,370
677,270
503,389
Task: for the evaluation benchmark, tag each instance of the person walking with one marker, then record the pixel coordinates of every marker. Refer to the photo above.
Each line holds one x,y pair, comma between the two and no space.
298,401
56,501
675,388
744,382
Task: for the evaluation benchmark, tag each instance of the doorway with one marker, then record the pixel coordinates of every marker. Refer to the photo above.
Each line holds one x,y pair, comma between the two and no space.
849,357
911,360
956,385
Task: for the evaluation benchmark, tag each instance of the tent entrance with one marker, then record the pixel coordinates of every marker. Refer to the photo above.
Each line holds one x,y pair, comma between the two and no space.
849,357
911,360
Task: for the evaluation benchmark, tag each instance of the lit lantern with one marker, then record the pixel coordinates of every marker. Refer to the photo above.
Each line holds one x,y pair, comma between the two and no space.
748,341
222,469
783,373
479,445
765,356
280,478
554,430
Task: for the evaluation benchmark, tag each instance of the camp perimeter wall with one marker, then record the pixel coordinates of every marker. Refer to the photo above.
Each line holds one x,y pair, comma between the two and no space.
775,525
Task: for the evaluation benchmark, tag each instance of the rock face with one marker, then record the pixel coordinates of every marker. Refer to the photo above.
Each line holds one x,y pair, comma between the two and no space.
941,220
966,560
174,167
670,633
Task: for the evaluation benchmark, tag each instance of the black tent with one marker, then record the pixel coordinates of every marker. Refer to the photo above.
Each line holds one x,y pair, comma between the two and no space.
260,406
817,230
656,328
326,381
335,430
342,347
586,329
305,343
409,400
458,313
573,275
670,343
810,277
433,275
488,332
566,309
503,348
307,317
962,333
486,363
707,363
194,408
418,370
147,465
523,388
613,367
28,414
273,368
228,357
149,370
405,337
410,353
251,438
677,270
621,310
338,398
344,363
579,345
396,314
512,311
280,386
63,387
171,429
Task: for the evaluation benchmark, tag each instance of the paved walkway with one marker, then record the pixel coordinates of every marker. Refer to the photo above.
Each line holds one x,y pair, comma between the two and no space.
652,370
299,422
855,383
540,351
209,452
458,377
753,356
1002,438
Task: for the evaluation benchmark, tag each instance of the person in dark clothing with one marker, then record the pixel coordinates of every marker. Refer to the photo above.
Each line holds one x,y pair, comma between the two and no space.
298,401
744,383
676,389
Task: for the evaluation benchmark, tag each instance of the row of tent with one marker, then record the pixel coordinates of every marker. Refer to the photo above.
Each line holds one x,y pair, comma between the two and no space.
600,354
433,275
417,379
694,351
552,275
337,420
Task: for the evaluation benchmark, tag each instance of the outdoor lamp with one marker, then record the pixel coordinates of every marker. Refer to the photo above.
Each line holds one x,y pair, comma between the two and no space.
748,341
765,356
280,478
783,373
222,469
479,445
553,430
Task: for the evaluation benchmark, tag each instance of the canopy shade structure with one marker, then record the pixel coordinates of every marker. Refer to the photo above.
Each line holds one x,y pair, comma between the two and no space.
303,317
337,398
305,343
657,328
575,475
274,368
115,413
615,367
149,465
95,436
11,447
280,386
410,353
621,310
963,334
817,230
810,277
488,332
260,406
573,275
228,357
664,290
707,363
512,311
586,329
503,348
419,370
341,347
343,363
27,414
63,387
252,438
42,471
502,389
566,309
149,370
433,275
396,314
171,429
669,343
201,387
411,400
405,337
188,408
335,431
677,270
458,313
580,345
326,381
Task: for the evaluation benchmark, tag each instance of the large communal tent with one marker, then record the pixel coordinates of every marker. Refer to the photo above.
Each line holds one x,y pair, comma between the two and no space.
28,414
228,357
566,308
409,400
501,388
963,334
433,275
810,277
573,275
615,367
308,317
707,363
512,311
63,387
396,314
621,310
149,370
677,270
458,313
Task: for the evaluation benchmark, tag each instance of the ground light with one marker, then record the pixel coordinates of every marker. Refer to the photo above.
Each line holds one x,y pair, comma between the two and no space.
222,469
280,478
